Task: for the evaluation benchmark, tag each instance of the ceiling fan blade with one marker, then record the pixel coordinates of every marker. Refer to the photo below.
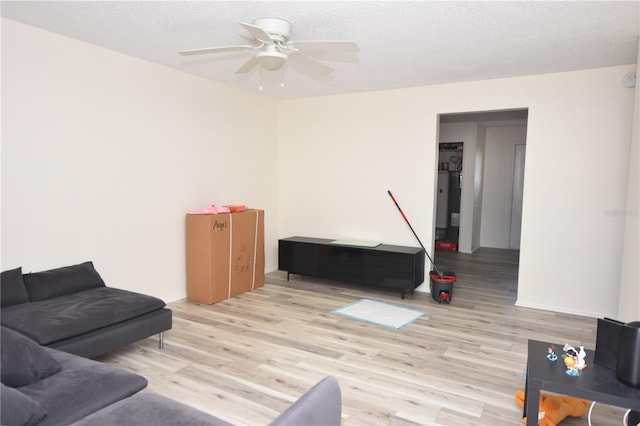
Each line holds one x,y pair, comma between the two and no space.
248,66
332,45
310,63
257,32
214,50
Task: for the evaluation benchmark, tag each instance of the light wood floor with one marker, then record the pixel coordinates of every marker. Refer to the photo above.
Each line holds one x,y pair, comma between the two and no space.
247,358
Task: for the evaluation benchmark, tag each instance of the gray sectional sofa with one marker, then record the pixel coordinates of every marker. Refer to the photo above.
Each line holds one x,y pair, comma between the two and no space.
71,309
43,386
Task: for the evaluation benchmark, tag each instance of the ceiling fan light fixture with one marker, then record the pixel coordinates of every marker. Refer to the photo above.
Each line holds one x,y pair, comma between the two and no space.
271,60
274,49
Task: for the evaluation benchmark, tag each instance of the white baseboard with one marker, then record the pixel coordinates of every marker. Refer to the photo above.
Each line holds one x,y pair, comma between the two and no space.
563,310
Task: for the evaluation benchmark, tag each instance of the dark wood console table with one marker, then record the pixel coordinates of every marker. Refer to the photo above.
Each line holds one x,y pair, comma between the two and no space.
384,266
595,382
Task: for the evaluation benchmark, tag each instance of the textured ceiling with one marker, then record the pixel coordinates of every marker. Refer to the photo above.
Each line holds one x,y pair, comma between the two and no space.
402,43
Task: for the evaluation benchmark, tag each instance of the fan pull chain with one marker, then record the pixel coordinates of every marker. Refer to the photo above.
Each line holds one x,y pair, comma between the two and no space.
260,88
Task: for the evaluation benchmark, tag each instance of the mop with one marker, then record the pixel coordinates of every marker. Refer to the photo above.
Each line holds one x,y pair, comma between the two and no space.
450,278
414,234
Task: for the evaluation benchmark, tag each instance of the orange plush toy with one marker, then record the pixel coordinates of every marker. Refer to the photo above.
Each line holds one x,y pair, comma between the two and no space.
555,408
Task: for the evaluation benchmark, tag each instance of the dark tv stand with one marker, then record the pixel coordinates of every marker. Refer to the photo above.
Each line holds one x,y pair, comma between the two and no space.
384,266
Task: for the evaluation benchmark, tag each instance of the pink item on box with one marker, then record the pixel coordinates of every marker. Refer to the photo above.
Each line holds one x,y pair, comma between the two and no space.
212,210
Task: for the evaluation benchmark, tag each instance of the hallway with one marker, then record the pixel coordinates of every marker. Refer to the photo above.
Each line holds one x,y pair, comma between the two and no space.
496,270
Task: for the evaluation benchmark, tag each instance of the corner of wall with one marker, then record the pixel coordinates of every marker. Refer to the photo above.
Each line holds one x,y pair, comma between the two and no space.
629,304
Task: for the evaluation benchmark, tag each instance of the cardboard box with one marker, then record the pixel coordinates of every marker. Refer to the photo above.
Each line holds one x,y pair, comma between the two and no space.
225,255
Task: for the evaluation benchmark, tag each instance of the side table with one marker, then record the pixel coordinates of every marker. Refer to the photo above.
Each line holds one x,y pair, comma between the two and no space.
595,382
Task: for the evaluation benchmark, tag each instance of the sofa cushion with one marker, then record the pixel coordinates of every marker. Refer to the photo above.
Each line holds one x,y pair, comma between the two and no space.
12,289
147,408
319,406
23,360
18,409
82,387
52,320
61,281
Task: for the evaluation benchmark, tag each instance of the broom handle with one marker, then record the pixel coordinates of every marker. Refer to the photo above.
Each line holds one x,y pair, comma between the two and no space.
414,233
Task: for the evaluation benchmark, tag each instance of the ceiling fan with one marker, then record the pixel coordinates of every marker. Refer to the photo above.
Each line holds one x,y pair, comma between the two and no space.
274,48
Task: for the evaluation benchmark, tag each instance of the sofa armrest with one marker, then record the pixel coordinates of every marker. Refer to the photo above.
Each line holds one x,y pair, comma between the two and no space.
319,406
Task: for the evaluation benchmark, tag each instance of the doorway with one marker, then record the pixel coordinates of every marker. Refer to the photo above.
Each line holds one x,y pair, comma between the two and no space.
492,178
449,195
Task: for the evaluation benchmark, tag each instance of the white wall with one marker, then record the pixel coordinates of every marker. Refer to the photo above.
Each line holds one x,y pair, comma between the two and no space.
498,184
104,154
338,156
629,305
478,187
